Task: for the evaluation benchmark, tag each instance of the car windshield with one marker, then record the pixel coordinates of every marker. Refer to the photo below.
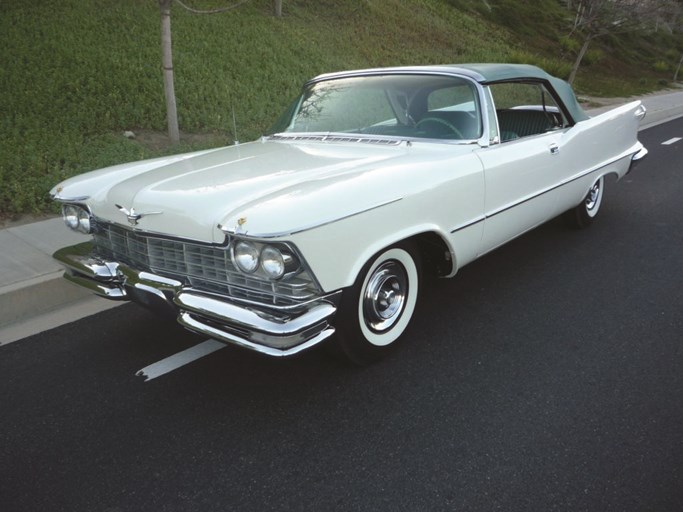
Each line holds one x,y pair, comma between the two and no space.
404,106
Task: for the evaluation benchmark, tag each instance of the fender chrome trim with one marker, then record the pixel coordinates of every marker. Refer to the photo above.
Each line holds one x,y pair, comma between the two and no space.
266,236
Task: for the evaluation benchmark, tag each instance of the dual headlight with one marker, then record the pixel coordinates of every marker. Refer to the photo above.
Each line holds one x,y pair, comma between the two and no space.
274,261
77,218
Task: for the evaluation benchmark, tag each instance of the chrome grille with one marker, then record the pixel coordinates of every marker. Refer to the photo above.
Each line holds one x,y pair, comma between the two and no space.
204,267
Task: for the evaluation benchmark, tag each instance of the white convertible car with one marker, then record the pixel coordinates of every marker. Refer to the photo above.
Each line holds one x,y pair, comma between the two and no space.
325,227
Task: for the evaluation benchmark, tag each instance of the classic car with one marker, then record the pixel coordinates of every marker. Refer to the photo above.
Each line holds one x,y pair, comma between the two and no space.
324,227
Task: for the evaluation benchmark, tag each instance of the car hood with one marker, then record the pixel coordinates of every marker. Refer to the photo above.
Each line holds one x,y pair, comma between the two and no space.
264,188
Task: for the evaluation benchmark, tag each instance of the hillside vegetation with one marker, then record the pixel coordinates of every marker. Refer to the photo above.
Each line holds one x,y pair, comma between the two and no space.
75,75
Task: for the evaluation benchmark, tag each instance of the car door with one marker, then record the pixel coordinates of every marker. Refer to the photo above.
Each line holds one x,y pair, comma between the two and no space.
519,176
523,171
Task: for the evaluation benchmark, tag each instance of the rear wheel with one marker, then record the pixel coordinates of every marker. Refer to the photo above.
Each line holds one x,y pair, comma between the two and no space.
377,309
588,210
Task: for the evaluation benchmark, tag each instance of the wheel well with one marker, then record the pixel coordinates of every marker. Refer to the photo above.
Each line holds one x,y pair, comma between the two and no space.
435,254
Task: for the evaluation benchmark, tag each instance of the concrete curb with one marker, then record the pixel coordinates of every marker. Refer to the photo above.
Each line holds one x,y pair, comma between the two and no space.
34,297
31,283
61,314
37,296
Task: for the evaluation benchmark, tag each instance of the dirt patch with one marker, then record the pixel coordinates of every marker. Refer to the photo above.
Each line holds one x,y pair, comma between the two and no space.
593,102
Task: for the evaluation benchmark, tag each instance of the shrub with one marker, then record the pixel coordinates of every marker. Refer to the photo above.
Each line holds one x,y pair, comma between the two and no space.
661,67
592,57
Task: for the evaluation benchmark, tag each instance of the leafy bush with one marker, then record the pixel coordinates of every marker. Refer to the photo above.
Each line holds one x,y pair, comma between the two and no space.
592,57
661,67
569,44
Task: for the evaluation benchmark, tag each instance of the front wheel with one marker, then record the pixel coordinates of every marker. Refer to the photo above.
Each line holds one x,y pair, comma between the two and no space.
377,309
585,213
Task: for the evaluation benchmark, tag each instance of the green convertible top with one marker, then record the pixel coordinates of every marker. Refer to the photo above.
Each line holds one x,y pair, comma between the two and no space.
486,74
491,73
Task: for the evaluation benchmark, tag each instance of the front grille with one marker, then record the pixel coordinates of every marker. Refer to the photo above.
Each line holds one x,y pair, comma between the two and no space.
204,267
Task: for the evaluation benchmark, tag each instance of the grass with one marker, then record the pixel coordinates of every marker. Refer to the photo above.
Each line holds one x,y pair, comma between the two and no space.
76,74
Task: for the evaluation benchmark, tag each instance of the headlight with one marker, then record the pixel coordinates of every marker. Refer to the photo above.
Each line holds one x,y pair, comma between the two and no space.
273,262
70,214
264,260
245,256
77,218
83,221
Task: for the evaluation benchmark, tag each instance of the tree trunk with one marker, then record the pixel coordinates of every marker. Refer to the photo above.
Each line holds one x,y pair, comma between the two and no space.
678,69
167,64
278,8
578,60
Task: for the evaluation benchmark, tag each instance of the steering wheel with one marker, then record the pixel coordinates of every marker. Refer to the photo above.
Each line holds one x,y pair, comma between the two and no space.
441,122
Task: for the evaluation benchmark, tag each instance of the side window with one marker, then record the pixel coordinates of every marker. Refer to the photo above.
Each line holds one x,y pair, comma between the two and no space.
525,109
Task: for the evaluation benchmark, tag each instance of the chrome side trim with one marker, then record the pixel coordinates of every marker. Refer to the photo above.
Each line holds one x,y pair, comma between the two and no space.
477,220
635,158
567,181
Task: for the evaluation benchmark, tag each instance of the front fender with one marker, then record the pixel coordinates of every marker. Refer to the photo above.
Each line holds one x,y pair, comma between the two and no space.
337,252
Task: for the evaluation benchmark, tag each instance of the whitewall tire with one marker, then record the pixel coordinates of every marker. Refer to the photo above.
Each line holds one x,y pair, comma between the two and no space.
588,210
377,309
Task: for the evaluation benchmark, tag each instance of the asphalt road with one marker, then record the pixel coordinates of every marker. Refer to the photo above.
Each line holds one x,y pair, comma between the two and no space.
546,376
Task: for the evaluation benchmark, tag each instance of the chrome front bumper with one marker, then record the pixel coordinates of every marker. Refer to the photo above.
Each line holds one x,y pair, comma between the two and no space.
268,330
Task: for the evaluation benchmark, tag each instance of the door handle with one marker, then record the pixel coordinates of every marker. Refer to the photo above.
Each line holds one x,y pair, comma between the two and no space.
554,149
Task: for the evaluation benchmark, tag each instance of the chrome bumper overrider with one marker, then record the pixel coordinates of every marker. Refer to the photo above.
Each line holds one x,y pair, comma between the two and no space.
270,330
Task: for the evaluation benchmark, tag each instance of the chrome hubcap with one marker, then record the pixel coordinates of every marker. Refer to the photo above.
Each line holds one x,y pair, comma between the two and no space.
593,196
385,296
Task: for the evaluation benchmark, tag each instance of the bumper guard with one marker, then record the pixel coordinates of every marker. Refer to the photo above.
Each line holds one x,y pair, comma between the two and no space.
269,330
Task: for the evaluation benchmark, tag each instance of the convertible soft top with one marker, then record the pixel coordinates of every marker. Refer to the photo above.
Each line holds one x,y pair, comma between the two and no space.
490,73
485,74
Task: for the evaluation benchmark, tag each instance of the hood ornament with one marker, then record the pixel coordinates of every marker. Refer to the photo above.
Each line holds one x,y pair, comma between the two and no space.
132,216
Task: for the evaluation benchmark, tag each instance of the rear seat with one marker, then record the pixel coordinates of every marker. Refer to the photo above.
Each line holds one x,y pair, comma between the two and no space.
522,123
